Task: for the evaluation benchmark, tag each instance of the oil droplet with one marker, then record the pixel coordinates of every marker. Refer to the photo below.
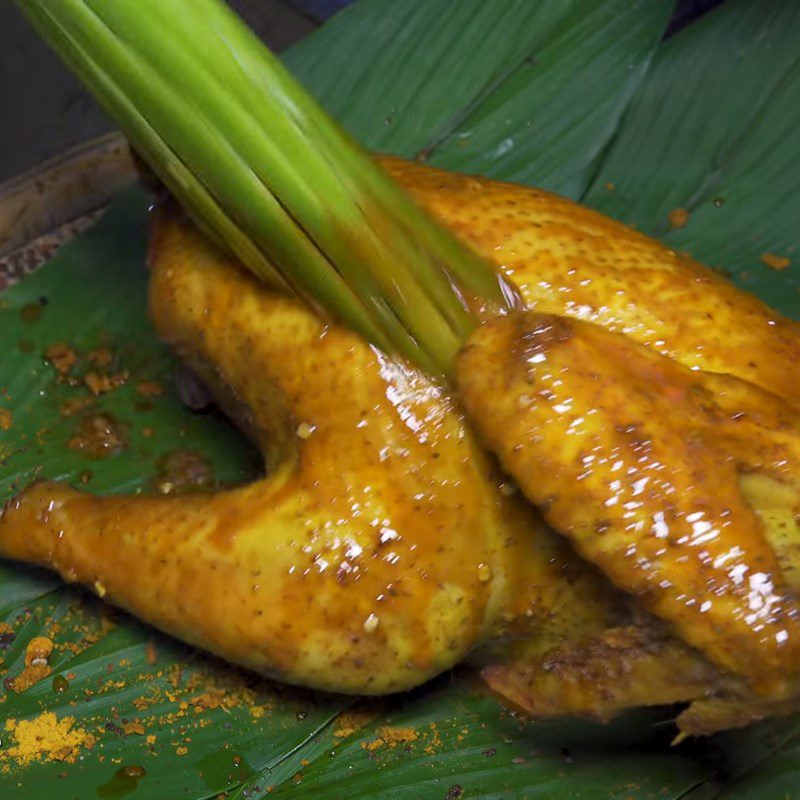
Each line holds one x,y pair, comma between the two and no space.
719,202
60,684
371,623
125,781
304,430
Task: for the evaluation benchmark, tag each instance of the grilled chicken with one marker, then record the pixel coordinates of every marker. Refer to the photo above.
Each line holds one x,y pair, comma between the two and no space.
379,548
384,545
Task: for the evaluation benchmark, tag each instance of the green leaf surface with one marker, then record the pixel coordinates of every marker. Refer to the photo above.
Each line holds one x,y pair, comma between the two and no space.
449,739
715,117
185,747
714,130
520,90
93,294
776,777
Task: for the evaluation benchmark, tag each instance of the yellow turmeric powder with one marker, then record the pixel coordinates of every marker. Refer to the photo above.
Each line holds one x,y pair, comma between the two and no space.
46,738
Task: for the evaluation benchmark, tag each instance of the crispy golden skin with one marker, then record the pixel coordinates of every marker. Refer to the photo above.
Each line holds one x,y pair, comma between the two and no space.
379,549
572,261
637,460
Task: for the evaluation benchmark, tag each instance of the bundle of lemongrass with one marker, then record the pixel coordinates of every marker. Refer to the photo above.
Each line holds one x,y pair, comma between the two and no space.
263,169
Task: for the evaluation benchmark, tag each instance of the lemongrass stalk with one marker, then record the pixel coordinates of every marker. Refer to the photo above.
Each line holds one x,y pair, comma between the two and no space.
258,162
93,53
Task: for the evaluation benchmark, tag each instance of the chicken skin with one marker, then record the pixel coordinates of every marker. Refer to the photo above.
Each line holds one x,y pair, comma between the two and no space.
569,260
649,469
378,550
384,545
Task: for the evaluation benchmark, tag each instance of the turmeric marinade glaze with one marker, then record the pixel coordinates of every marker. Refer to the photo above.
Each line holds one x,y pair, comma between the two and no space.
384,545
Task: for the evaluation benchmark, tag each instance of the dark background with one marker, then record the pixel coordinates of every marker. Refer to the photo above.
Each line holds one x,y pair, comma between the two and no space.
44,111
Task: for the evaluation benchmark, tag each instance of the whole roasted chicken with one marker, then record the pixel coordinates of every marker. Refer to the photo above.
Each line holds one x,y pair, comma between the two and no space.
645,549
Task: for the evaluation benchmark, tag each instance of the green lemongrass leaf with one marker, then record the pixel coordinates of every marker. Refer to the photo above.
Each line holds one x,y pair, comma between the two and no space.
312,174
714,131
521,90
337,228
148,142
161,122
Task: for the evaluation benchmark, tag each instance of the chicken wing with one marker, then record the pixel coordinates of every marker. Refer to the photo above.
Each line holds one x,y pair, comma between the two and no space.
638,460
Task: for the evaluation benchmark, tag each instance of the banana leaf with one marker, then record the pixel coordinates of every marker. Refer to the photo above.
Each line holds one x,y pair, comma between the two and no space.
713,130
575,96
